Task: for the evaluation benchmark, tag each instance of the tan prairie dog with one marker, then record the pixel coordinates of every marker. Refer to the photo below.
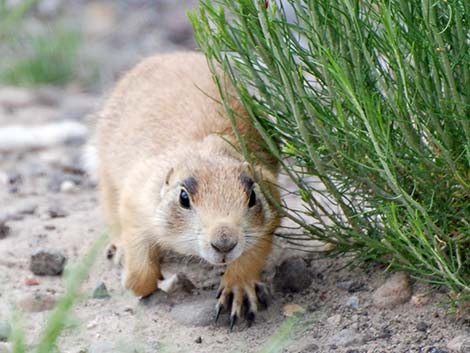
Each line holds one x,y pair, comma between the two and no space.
170,177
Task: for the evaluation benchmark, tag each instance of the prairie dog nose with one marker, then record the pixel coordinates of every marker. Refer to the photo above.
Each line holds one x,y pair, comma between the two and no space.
224,239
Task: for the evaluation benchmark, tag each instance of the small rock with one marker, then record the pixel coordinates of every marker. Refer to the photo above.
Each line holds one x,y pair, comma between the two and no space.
31,281
347,337
56,179
422,326
292,276
68,187
196,313
396,290
198,340
47,263
177,285
4,230
36,302
353,302
25,137
5,330
292,309
57,212
101,291
436,350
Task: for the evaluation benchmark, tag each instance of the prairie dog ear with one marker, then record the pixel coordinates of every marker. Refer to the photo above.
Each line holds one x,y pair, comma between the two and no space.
248,168
256,171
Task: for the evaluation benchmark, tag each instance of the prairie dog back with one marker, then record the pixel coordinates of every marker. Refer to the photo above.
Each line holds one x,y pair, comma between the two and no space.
153,107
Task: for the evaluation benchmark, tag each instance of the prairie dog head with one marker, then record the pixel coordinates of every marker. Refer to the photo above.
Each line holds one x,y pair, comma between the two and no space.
214,209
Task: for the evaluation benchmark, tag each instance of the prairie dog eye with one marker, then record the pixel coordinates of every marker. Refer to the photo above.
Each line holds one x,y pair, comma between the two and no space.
252,200
184,199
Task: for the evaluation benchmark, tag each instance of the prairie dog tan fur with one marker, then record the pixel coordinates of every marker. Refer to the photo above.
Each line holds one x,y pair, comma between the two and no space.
170,177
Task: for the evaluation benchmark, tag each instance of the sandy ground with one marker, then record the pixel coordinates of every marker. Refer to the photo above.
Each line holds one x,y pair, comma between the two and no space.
340,312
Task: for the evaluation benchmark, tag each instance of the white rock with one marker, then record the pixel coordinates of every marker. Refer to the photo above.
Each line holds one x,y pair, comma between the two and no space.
21,137
68,187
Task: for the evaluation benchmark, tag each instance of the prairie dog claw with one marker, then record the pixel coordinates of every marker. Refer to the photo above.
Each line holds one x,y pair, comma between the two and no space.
247,299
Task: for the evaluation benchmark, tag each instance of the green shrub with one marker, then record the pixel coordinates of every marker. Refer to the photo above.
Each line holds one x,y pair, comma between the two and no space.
29,59
366,104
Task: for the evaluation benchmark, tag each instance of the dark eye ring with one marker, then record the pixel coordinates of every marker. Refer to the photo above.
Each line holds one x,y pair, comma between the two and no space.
252,200
184,199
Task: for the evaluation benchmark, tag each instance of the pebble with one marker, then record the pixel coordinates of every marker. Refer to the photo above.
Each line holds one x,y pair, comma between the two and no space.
178,285
57,212
422,326
395,291
68,187
198,340
196,313
353,302
57,179
289,310
292,276
47,263
31,281
101,291
36,302
4,230
5,330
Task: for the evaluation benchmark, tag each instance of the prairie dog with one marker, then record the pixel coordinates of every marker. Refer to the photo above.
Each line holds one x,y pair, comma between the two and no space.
170,177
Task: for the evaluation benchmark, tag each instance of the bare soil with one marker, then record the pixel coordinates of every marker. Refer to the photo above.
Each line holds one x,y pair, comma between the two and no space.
340,314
